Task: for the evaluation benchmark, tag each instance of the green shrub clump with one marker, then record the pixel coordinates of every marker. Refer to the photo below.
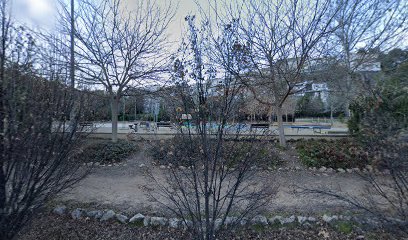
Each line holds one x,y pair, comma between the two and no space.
343,153
185,151
107,151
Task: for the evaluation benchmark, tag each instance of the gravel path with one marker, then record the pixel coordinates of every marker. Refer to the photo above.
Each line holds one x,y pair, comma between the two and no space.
124,187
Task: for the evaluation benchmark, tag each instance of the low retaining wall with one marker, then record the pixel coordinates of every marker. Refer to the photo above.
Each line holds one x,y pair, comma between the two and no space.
164,136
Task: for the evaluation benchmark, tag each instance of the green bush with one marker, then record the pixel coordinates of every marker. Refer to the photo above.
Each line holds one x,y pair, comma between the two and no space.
343,153
344,227
107,151
181,151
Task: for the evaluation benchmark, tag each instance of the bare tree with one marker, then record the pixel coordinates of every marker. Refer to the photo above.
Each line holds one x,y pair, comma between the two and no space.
213,175
5,22
284,36
37,148
72,45
118,48
365,28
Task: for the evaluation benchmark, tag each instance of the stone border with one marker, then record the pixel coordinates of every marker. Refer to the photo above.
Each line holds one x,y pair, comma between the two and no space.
97,164
367,169
324,170
176,223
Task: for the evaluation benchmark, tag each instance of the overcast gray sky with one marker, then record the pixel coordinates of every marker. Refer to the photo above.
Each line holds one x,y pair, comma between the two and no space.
40,13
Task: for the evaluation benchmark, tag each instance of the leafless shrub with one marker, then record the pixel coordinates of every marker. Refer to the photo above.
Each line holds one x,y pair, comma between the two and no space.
119,48
219,183
37,143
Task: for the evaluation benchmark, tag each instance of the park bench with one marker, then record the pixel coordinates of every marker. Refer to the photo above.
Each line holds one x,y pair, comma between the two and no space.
163,124
337,132
86,124
259,125
315,128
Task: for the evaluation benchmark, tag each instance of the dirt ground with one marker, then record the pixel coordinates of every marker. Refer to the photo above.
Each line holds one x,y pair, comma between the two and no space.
52,227
123,187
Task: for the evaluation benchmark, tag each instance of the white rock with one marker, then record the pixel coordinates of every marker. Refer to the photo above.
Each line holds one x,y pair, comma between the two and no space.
77,213
182,167
137,218
162,166
322,169
146,221
174,222
341,170
217,223
60,210
243,222
311,219
122,218
259,219
158,221
328,219
290,219
186,224
142,165
356,169
349,170
275,219
95,214
330,170
108,215
301,219
230,220
369,168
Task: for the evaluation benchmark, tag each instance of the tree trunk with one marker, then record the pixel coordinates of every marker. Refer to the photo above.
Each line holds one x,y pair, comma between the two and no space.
3,119
72,47
282,139
114,110
331,116
73,113
347,109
